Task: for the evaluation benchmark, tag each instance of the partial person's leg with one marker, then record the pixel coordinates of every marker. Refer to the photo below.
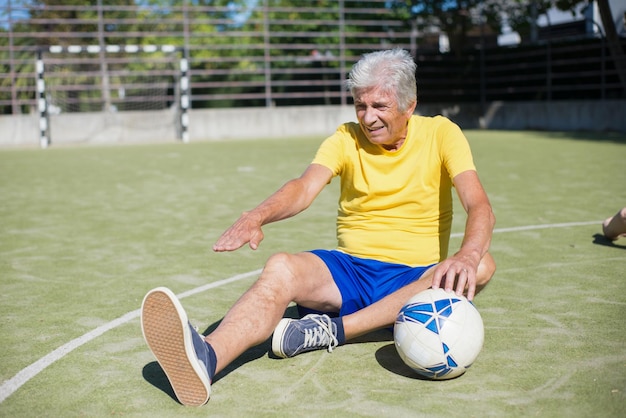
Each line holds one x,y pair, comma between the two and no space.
190,361
286,278
615,226
383,313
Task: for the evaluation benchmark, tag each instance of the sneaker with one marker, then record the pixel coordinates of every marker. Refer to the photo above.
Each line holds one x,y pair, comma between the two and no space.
313,332
178,347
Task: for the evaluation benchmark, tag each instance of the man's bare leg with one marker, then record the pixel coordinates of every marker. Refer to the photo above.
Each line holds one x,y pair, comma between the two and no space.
302,278
191,361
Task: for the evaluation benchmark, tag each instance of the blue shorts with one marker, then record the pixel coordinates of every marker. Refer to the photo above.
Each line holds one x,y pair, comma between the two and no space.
363,281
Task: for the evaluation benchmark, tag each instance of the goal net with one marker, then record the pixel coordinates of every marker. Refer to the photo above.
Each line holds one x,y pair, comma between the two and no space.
119,94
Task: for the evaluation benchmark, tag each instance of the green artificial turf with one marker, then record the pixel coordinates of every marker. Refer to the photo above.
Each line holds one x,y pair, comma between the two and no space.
86,231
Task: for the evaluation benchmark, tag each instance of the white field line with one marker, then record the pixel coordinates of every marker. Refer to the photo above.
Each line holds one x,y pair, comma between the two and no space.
534,227
10,386
13,384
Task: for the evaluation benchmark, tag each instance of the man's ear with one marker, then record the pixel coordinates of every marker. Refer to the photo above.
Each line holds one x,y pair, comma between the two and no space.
411,109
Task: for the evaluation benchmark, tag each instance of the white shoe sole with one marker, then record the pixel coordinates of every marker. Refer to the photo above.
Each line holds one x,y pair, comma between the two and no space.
165,328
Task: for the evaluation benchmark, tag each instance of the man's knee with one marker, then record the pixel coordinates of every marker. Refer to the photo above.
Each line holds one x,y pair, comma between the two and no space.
277,280
305,278
486,270
287,270
279,266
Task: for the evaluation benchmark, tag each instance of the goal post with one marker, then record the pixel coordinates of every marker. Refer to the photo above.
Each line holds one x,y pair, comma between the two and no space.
42,105
115,93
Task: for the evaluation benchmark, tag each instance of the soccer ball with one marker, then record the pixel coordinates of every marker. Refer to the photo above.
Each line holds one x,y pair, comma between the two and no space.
439,334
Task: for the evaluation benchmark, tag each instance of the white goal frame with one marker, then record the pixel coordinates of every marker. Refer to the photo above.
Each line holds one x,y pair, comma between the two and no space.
183,101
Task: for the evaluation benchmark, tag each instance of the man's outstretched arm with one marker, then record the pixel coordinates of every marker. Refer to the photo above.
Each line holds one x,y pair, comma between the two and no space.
292,198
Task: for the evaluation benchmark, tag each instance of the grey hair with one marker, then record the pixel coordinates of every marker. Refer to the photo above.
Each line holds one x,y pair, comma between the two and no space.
393,70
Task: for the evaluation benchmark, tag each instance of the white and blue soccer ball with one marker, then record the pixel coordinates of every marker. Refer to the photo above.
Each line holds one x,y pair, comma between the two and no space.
439,334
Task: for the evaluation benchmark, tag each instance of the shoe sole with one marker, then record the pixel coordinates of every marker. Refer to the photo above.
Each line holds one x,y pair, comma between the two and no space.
277,338
165,328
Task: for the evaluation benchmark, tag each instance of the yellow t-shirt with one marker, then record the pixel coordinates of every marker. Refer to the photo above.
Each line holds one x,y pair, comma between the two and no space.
397,206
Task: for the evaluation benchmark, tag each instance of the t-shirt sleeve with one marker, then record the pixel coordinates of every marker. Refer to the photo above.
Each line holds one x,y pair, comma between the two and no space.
455,149
330,154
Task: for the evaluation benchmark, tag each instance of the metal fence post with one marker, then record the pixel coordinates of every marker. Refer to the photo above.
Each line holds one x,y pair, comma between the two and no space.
342,51
184,99
44,127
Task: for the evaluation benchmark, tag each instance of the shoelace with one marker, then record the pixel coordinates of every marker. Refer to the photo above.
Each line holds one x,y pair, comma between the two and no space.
321,335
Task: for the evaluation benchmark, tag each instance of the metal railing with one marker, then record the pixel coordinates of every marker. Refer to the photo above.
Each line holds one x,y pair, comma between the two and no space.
270,55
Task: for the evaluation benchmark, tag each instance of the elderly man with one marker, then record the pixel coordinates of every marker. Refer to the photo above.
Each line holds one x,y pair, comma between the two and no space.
397,171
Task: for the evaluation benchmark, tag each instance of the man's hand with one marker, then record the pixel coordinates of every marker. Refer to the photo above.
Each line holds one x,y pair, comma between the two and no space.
457,273
292,198
247,229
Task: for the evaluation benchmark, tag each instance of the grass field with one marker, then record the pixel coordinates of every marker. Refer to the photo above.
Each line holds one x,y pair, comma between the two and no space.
85,232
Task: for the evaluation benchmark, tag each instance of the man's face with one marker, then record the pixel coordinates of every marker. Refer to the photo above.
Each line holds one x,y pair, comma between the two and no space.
380,119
